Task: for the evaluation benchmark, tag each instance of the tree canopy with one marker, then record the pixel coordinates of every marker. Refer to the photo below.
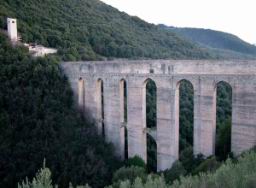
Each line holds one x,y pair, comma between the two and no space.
38,121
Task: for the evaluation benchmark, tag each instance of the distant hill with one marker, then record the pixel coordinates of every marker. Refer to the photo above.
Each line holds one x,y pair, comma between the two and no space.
220,43
90,29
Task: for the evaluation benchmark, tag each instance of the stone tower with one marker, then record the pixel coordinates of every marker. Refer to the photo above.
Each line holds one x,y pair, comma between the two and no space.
12,29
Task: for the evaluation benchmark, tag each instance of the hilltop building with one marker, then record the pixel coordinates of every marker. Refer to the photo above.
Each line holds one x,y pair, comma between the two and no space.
39,50
34,49
12,29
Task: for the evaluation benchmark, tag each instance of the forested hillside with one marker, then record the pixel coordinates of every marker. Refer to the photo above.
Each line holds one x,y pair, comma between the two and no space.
38,121
90,29
219,43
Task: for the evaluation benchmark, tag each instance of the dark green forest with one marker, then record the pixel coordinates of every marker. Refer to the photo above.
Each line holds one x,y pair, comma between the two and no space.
38,121
90,29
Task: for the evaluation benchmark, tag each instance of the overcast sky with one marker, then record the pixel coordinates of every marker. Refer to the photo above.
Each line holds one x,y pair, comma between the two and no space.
233,16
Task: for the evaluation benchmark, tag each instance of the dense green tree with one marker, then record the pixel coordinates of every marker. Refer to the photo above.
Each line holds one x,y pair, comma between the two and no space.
186,115
223,140
189,160
151,154
175,172
229,175
128,173
224,114
151,104
135,161
208,165
38,120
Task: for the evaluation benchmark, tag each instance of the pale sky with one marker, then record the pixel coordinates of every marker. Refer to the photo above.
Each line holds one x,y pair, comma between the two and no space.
233,16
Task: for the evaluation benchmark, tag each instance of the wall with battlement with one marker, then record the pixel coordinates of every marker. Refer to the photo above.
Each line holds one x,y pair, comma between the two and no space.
86,79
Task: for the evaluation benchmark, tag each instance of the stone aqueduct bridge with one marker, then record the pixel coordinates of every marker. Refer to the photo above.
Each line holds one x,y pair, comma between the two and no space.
86,79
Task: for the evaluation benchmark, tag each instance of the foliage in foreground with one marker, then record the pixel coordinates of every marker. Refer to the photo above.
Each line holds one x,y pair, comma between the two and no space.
38,120
43,180
128,173
135,161
229,175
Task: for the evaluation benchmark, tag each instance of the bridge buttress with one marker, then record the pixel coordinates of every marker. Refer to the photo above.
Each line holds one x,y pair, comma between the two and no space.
167,125
137,144
112,114
204,117
243,135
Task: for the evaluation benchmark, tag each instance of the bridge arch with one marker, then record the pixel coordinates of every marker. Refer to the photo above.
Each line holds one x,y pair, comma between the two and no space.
100,106
150,121
123,100
81,94
185,112
123,116
149,101
223,124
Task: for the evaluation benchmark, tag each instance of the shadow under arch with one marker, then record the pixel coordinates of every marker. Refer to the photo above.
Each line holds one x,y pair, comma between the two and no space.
100,106
150,121
123,116
150,103
185,112
223,124
81,95
151,154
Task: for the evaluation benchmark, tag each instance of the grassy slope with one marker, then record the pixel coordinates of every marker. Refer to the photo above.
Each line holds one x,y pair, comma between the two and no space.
90,29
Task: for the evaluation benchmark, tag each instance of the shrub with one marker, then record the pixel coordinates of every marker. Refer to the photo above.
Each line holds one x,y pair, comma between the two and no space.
43,180
229,175
208,165
129,173
175,172
188,160
136,161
